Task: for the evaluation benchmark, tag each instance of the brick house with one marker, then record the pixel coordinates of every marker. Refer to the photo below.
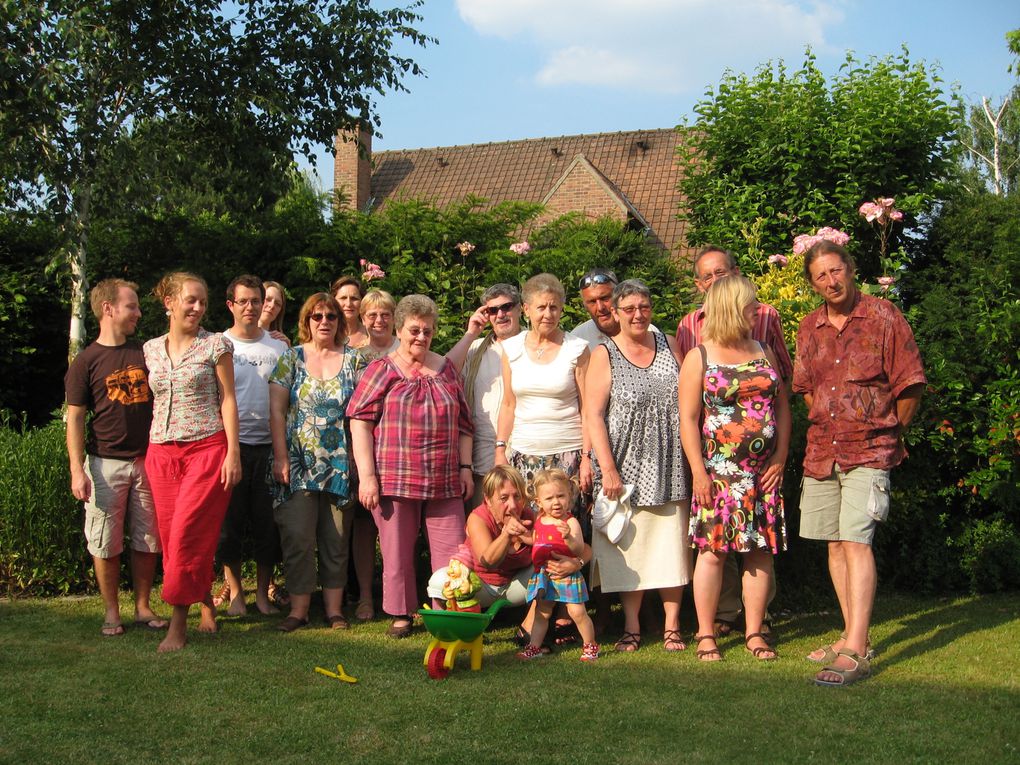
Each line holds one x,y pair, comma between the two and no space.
631,176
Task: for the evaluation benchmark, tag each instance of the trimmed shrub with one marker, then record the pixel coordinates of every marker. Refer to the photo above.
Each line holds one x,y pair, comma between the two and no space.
42,550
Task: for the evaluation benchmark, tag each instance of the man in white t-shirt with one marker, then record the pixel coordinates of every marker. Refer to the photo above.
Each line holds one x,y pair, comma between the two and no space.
483,379
596,288
255,357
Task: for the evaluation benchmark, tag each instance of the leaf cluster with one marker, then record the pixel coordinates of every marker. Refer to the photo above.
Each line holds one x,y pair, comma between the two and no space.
800,151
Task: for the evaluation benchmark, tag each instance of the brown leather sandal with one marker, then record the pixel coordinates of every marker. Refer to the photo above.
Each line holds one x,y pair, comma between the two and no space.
760,653
704,653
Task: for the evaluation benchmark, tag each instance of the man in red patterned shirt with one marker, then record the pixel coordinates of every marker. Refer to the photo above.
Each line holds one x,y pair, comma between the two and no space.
710,264
860,372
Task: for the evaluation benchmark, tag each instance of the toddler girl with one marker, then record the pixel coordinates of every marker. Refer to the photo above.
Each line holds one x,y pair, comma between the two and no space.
557,531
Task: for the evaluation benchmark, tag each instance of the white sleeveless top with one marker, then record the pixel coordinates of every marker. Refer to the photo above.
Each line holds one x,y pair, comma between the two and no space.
547,419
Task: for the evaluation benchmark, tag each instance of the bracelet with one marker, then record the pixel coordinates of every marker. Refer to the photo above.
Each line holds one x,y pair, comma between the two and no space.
580,563
501,443
462,466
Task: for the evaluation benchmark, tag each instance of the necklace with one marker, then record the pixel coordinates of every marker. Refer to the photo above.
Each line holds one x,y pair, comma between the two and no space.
539,350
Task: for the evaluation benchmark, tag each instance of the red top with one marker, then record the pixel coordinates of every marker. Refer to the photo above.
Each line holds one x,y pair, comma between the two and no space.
514,560
548,540
855,375
767,330
419,420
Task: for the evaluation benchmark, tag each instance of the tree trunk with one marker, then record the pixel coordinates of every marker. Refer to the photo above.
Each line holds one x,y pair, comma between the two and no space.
76,243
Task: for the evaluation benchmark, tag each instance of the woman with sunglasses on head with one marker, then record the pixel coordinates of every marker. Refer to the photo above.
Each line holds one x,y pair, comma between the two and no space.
309,392
411,429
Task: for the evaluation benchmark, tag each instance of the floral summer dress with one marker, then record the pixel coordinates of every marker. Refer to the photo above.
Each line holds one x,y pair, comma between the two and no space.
738,437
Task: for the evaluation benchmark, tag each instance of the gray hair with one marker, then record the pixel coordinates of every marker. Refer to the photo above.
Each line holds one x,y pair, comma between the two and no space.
541,284
509,291
731,262
417,307
628,288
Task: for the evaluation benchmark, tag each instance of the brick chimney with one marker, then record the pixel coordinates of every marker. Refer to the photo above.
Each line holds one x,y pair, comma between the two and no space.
352,169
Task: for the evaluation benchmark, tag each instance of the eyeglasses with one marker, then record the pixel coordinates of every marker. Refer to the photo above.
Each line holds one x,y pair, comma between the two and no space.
493,310
245,302
415,331
721,273
590,280
318,317
630,310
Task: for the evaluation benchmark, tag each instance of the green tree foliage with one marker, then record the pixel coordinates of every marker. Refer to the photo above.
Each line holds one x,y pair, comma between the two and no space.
960,489
800,151
76,76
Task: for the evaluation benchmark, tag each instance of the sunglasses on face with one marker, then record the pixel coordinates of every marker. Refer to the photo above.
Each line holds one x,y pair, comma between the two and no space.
493,310
594,279
318,317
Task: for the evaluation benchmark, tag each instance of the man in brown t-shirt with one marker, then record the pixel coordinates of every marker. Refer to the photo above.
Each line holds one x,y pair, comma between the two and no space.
859,370
108,378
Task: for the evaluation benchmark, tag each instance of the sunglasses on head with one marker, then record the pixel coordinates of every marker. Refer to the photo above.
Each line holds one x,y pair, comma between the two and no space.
592,279
492,310
318,317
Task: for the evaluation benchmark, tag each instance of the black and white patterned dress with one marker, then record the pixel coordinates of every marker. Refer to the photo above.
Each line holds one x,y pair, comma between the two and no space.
643,420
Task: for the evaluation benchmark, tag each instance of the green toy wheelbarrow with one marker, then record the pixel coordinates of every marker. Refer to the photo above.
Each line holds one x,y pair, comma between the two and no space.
452,632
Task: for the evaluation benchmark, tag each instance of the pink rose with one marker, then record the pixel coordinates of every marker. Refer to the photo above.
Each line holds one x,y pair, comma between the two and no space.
896,215
466,248
886,282
833,235
870,211
778,260
520,248
372,271
887,202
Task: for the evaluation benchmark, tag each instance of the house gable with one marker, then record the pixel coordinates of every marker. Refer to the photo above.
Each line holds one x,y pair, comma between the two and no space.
629,175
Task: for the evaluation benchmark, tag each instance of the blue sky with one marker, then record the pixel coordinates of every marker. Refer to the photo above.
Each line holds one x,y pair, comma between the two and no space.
509,69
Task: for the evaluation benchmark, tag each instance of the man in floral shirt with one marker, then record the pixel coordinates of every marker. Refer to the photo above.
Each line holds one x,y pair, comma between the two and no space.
860,372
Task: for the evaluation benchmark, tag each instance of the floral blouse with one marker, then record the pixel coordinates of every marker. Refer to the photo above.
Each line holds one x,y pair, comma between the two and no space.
185,398
317,438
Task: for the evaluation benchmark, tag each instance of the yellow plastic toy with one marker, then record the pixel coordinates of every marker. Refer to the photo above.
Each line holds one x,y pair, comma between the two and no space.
338,675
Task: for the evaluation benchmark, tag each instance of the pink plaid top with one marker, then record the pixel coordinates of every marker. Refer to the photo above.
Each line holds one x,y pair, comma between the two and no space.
854,376
767,329
419,421
185,398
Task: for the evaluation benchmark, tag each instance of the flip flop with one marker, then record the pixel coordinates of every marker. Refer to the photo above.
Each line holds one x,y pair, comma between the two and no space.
153,623
112,629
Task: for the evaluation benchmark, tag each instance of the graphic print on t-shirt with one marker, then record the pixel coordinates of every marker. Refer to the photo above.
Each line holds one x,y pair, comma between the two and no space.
128,386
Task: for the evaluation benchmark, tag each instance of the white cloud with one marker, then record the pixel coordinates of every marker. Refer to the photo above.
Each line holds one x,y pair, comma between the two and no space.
665,46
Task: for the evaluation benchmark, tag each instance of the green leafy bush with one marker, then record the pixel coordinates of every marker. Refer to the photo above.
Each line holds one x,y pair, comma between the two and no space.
990,555
42,550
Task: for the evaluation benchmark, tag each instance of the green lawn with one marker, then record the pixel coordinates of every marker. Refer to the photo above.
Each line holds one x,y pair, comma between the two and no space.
946,689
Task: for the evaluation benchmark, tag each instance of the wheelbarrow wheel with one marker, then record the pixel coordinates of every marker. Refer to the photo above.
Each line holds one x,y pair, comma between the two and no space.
437,670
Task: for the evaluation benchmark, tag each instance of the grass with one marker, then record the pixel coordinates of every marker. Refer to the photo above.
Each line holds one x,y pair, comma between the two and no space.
945,689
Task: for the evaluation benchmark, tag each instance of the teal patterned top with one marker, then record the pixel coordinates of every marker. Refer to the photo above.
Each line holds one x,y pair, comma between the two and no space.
317,433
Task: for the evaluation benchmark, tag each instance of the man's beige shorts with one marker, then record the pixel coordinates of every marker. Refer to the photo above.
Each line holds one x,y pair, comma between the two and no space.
120,489
845,507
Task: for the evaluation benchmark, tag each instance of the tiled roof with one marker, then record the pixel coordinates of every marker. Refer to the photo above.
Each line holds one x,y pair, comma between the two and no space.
640,168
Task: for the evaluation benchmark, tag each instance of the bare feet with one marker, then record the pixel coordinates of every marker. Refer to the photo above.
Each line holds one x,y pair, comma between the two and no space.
172,643
207,619
237,605
265,605
176,637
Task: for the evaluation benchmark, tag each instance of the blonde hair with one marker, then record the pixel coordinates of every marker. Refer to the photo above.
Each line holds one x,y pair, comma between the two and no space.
378,299
108,291
541,284
277,323
724,306
304,318
495,478
170,286
552,475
